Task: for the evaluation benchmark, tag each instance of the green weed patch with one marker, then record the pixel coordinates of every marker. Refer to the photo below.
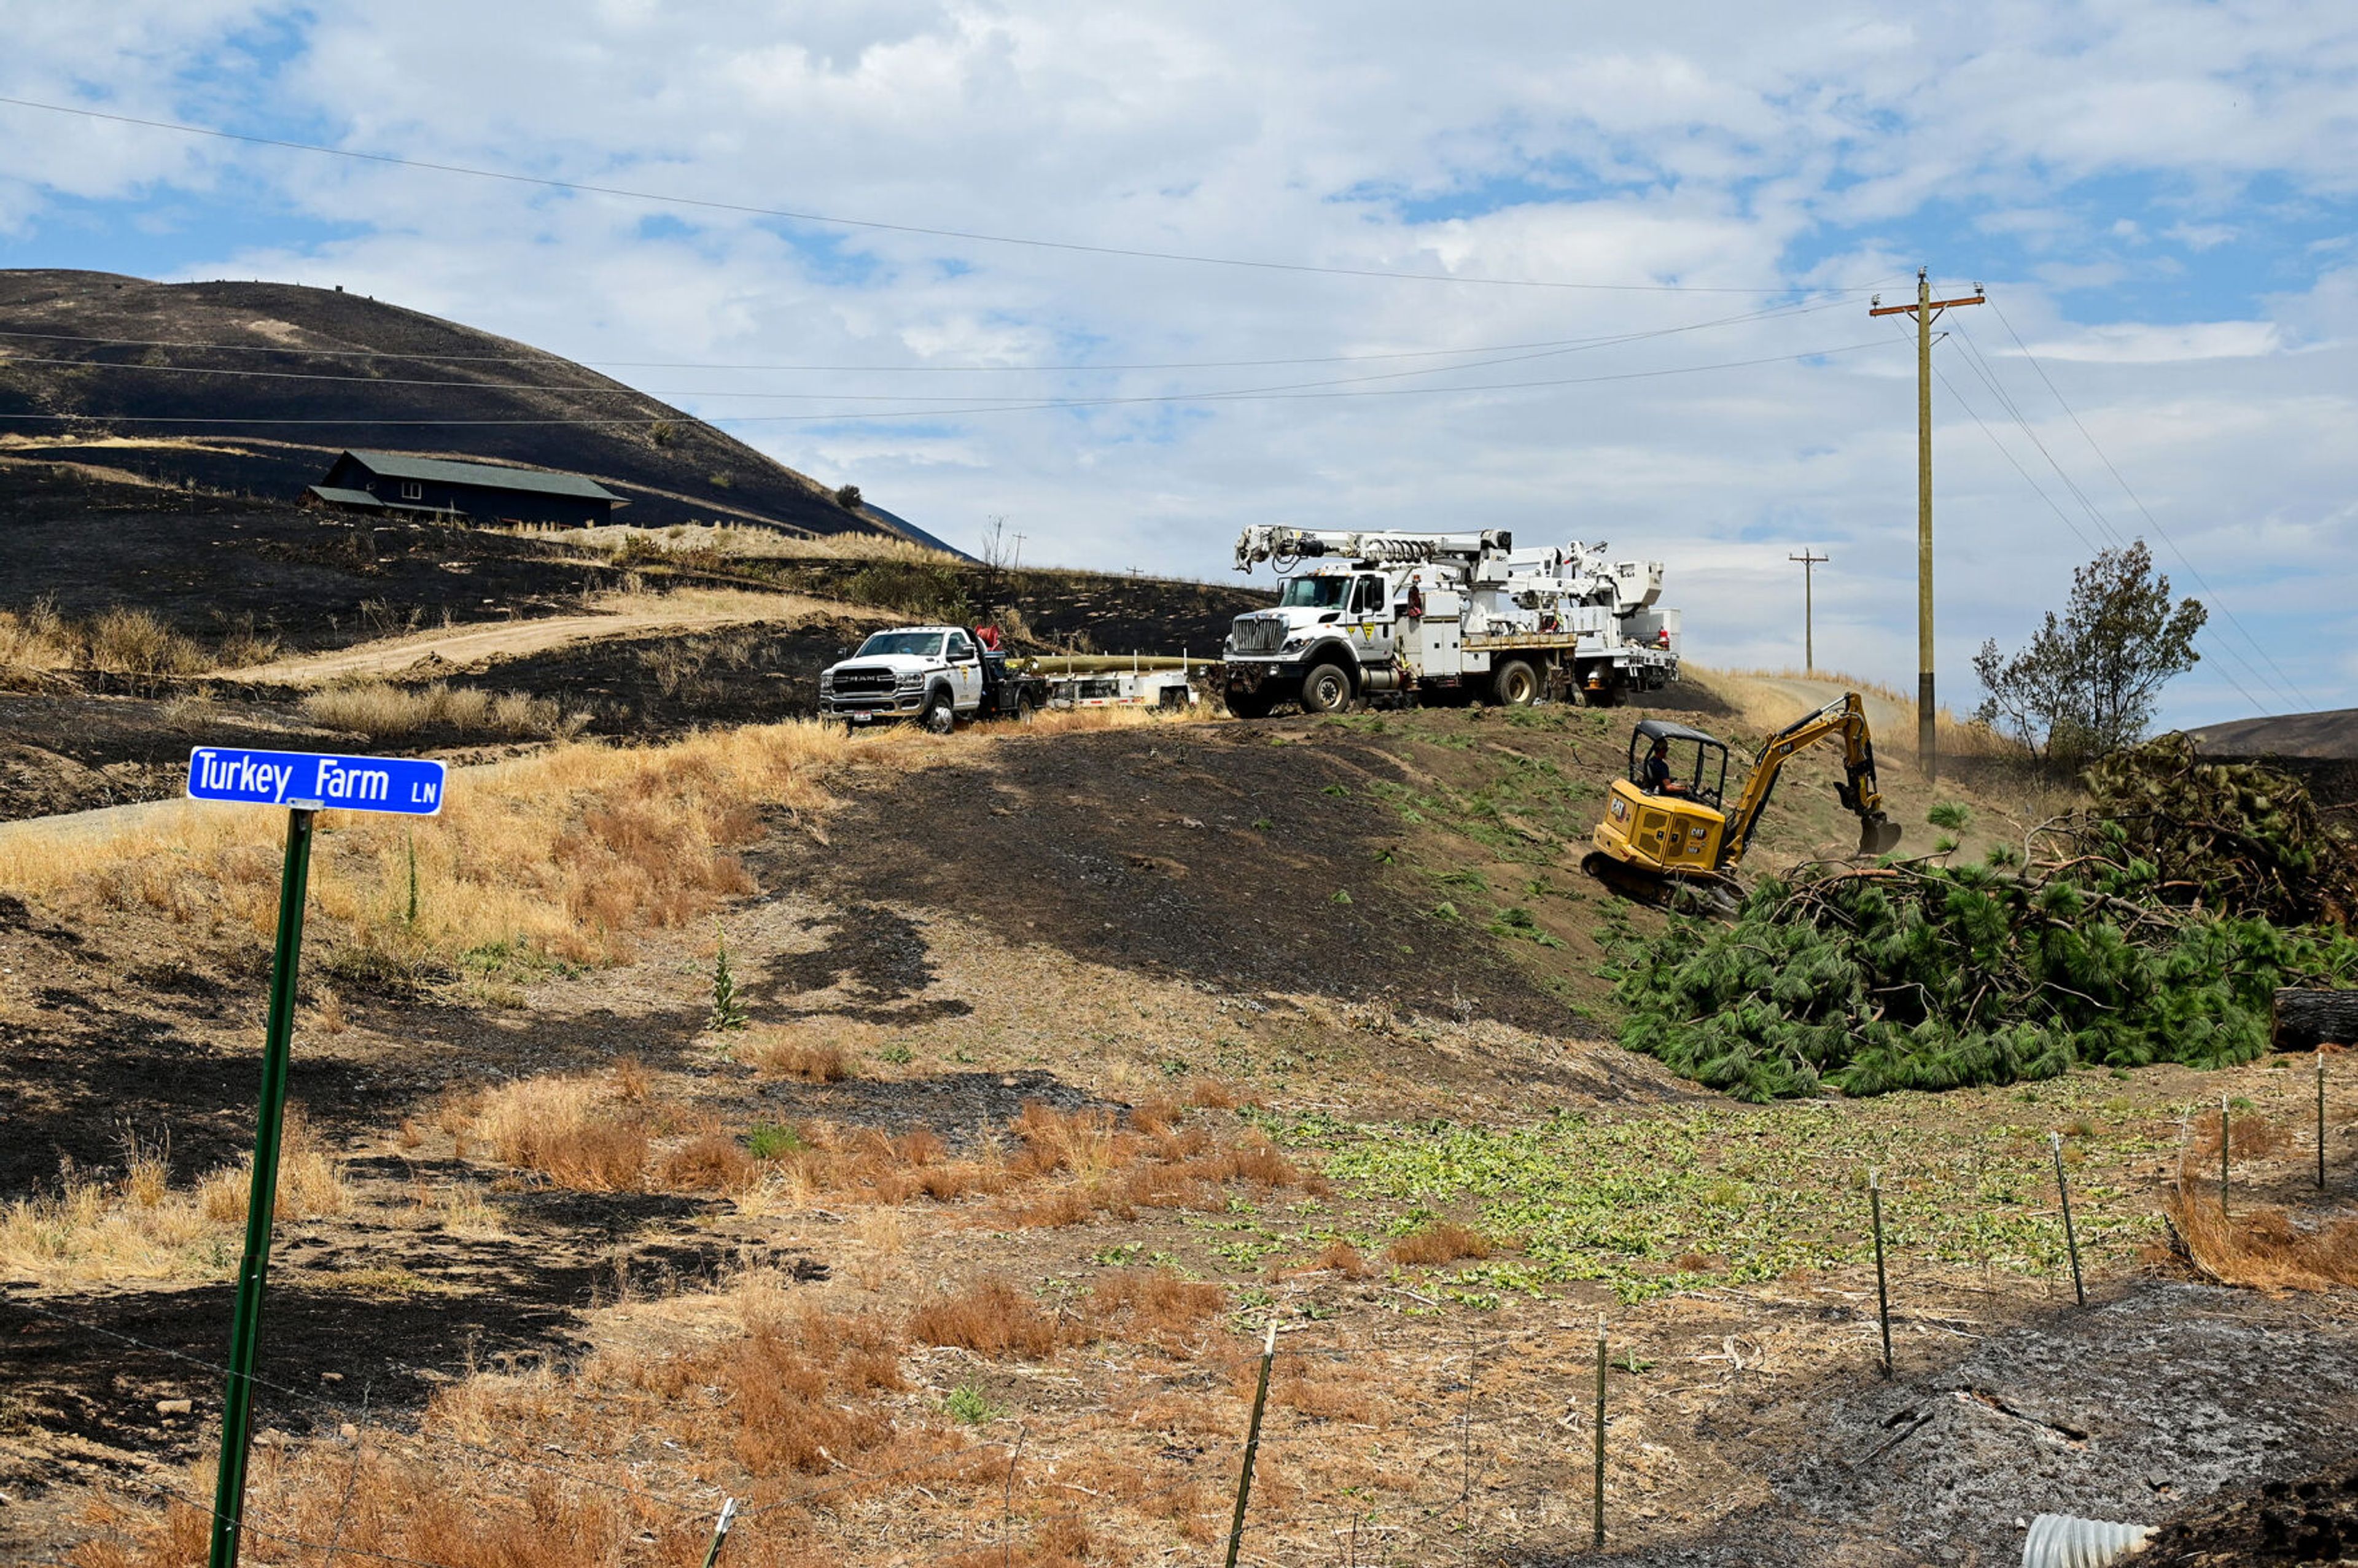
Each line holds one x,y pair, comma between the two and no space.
1734,1194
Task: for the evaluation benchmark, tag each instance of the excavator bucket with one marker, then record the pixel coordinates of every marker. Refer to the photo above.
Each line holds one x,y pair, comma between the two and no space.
1877,834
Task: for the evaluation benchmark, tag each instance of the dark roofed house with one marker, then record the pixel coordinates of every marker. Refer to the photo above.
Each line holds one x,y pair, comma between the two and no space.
392,484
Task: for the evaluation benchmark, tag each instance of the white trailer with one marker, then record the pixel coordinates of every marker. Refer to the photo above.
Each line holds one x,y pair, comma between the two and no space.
1444,617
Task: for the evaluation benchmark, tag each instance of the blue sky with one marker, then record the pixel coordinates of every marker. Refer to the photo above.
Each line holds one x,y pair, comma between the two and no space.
2161,198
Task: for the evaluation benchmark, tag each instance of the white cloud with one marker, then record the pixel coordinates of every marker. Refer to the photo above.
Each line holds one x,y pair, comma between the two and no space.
1717,150
2137,343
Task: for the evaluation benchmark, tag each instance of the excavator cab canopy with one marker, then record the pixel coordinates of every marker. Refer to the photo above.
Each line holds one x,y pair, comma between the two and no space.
1696,765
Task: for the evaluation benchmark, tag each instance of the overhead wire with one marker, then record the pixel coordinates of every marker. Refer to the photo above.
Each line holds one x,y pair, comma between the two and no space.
837,220
1035,404
1981,366
2039,490
559,360
1537,353
2153,521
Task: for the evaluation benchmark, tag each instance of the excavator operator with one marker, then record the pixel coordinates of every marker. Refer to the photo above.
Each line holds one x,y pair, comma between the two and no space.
1655,770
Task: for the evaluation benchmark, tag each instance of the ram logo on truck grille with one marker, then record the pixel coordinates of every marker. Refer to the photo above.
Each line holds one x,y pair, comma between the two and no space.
1259,634
863,680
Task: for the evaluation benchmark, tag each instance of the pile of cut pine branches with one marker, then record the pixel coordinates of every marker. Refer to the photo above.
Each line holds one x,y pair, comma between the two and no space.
2152,927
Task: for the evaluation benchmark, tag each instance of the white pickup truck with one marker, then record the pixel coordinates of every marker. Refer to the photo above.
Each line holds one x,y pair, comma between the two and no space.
933,675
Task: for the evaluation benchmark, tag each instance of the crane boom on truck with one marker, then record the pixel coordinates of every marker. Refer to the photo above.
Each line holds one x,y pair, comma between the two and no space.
1437,617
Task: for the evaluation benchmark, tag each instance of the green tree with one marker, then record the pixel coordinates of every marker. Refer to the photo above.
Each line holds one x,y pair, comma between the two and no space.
2087,684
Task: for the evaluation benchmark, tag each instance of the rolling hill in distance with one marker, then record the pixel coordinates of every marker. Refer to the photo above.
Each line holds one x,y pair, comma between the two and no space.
95,369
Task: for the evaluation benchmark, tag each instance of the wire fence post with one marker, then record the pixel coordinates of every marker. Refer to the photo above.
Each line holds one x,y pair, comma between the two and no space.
720,1531
2222,1156
2071,1238
1597,1539
1007,1499
1252,1447
1466,1424
2320,1117
269,1124
1882,1283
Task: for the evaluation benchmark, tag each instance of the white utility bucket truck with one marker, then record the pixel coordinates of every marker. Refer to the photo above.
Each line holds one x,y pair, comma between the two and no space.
1443,618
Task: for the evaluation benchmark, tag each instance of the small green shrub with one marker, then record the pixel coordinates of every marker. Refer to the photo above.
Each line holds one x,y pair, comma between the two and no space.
970,1406
766,1143
728,1008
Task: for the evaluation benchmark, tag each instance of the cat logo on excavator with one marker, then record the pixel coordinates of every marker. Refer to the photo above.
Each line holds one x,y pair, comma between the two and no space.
1665,824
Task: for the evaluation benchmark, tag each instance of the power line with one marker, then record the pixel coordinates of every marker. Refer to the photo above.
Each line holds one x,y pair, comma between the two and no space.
2062,516
2151,520
834,220
1796,308
619,389
1979,363
1270,394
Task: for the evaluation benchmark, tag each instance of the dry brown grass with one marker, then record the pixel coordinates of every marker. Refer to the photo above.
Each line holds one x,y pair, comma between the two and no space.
141,1225
1340,1257
1154,1306
311,1180
381,710
569,1130
993,1319
136,642
795,1050
731,539
1442,1242
2254,1137
1767,708
36,638
568,853
1062,1541
1213,1094
2262,1246
1319,1389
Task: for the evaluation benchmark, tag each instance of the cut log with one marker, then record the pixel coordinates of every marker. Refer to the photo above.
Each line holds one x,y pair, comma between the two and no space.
2307,1019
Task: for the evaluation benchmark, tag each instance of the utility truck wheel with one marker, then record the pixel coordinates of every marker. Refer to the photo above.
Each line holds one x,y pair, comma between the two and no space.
937,717
1326,689
1023,706
1514,683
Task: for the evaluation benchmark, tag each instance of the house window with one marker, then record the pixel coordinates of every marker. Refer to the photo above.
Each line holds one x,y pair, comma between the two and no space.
412,491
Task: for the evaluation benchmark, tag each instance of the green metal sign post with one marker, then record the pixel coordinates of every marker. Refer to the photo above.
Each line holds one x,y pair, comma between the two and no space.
304,783
269,1123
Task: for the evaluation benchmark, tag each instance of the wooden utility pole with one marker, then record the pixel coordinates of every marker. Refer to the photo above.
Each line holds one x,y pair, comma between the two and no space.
1810,563
1924,309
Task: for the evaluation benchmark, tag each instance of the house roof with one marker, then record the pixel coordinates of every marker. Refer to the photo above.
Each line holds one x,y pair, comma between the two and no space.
485,476
339,496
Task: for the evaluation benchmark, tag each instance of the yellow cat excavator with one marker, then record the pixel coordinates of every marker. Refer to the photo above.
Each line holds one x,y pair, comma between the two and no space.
1665,825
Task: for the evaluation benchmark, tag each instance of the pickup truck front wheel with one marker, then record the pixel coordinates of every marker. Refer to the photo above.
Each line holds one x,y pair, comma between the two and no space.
937,717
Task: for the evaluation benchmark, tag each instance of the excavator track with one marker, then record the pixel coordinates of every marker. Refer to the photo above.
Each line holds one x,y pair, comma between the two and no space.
1689,894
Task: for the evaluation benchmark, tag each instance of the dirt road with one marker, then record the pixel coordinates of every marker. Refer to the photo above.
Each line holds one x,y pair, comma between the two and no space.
1891,720
623,615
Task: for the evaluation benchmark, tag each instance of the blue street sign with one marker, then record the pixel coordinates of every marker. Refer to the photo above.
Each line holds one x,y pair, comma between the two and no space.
409,785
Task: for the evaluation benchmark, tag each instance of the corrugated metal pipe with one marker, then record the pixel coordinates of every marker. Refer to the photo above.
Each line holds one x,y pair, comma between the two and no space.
2059,1540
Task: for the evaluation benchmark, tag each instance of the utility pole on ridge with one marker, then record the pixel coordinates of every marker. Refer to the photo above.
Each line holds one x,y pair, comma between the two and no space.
1810,563
1924,309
